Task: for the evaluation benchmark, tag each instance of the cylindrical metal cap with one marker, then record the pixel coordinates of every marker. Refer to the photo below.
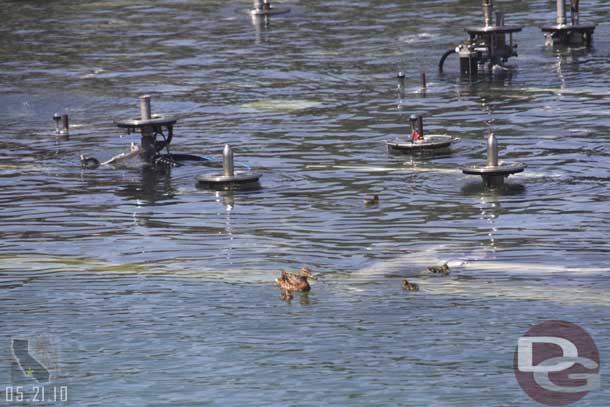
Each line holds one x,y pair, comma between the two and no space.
488,10
145,112
492,151
227,161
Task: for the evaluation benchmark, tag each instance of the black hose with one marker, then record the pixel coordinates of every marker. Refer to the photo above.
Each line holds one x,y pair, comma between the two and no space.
442,61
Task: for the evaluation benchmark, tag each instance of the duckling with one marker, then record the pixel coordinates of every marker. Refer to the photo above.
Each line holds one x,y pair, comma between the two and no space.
89,162
295,281
409,286
444,269
374,200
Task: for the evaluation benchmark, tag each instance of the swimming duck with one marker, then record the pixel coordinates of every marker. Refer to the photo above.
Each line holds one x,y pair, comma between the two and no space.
444,269
374,200
409,286
89,162
295,281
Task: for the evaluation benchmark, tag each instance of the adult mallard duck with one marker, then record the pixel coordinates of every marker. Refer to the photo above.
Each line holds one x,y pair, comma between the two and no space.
295,281
444,269
407,285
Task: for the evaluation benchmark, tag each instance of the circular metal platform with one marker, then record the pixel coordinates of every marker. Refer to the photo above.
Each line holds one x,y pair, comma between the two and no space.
155,120
274,11
494,29
586,28
432,142
240,177
504,168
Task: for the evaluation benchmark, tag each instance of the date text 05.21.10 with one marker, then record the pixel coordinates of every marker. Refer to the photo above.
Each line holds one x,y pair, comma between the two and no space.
36,394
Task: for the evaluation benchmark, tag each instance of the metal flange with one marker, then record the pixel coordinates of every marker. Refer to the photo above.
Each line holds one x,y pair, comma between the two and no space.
431,142
239,177
229,176
493,172
503,168
155,120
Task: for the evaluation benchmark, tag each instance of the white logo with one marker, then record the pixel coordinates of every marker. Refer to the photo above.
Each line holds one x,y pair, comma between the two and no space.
525,363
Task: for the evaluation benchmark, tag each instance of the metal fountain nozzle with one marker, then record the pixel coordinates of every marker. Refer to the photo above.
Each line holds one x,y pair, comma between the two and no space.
228,161
145,110
56,119
413,120
229,177
493,173
492,150
488,12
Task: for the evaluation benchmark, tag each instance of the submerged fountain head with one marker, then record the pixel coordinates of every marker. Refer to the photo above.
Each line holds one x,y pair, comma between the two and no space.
573,33
156,131
494,171
487,46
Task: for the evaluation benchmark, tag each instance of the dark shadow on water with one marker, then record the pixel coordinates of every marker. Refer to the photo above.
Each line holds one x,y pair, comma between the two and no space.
476,188
155,185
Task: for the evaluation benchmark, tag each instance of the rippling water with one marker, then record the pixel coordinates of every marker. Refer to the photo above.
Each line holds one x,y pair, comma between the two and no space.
157,292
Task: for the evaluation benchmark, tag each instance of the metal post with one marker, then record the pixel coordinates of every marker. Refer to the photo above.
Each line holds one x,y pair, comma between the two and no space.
57,119
258,5
574,12
420,126
413,120
145,112
492,151
401,80
499,19
147,140
561,12
488,11
424,83
65,124
227,161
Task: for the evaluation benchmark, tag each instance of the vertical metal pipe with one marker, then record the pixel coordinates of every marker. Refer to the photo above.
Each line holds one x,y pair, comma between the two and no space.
499,19
258,5
65,124
57,119
145,112
420,126
413,119
227,161
574,12
401,80
561,12
424,83
488,11
492,151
